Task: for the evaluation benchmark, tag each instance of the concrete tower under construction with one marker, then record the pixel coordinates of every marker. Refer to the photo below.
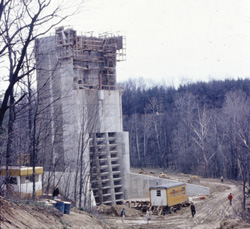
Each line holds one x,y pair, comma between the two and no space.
77,87
81,132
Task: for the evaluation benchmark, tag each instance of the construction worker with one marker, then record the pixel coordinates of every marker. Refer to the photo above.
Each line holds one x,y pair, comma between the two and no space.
230,197
192,207
123,213
148,215
56,193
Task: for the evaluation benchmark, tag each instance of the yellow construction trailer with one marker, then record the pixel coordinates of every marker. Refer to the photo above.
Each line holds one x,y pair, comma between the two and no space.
21,180
168,197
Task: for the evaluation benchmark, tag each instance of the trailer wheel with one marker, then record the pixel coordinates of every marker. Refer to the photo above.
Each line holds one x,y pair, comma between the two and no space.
179,207
171,210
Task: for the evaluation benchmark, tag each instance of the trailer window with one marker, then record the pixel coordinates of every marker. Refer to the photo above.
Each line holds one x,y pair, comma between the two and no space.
183,190
158,193
13,180
173,191
28,179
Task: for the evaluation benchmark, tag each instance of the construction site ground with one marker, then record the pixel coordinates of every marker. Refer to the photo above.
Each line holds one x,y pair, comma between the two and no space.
212,212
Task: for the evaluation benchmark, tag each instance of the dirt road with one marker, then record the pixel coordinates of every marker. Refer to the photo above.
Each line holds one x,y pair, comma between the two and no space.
209,212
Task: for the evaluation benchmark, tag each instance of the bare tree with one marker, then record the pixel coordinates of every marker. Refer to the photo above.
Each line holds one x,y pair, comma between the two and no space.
237,111
22,22
153,108
201,128
88,126
185,106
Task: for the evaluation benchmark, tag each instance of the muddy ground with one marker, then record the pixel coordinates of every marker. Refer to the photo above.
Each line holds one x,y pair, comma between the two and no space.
212,212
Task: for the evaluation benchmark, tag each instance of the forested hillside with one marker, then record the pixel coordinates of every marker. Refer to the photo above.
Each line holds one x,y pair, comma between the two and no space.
201,128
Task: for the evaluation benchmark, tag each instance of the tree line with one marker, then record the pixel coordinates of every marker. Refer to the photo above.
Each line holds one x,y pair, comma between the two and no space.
199,128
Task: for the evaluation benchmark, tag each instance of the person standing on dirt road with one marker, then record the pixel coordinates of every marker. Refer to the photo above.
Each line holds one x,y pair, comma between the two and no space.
123,213
192,207
230,197
148,215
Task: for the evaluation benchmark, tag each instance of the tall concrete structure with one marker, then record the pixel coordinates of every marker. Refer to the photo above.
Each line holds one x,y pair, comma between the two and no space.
76,78
80,115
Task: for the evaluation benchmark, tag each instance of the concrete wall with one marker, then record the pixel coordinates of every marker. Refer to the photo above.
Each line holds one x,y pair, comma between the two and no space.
110,107
123,149
106,106
139,186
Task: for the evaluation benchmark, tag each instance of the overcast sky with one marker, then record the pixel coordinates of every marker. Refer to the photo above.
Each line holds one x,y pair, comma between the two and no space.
175,40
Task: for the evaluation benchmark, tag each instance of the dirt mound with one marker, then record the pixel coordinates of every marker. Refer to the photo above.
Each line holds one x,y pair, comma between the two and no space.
115,210
232,223
5,211
37,215
106,210
21,215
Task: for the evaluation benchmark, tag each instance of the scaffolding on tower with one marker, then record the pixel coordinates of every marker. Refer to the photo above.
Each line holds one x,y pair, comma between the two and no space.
94,58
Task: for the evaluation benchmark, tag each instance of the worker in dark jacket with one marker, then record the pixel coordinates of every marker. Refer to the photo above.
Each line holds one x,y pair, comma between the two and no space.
56,193
192,207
